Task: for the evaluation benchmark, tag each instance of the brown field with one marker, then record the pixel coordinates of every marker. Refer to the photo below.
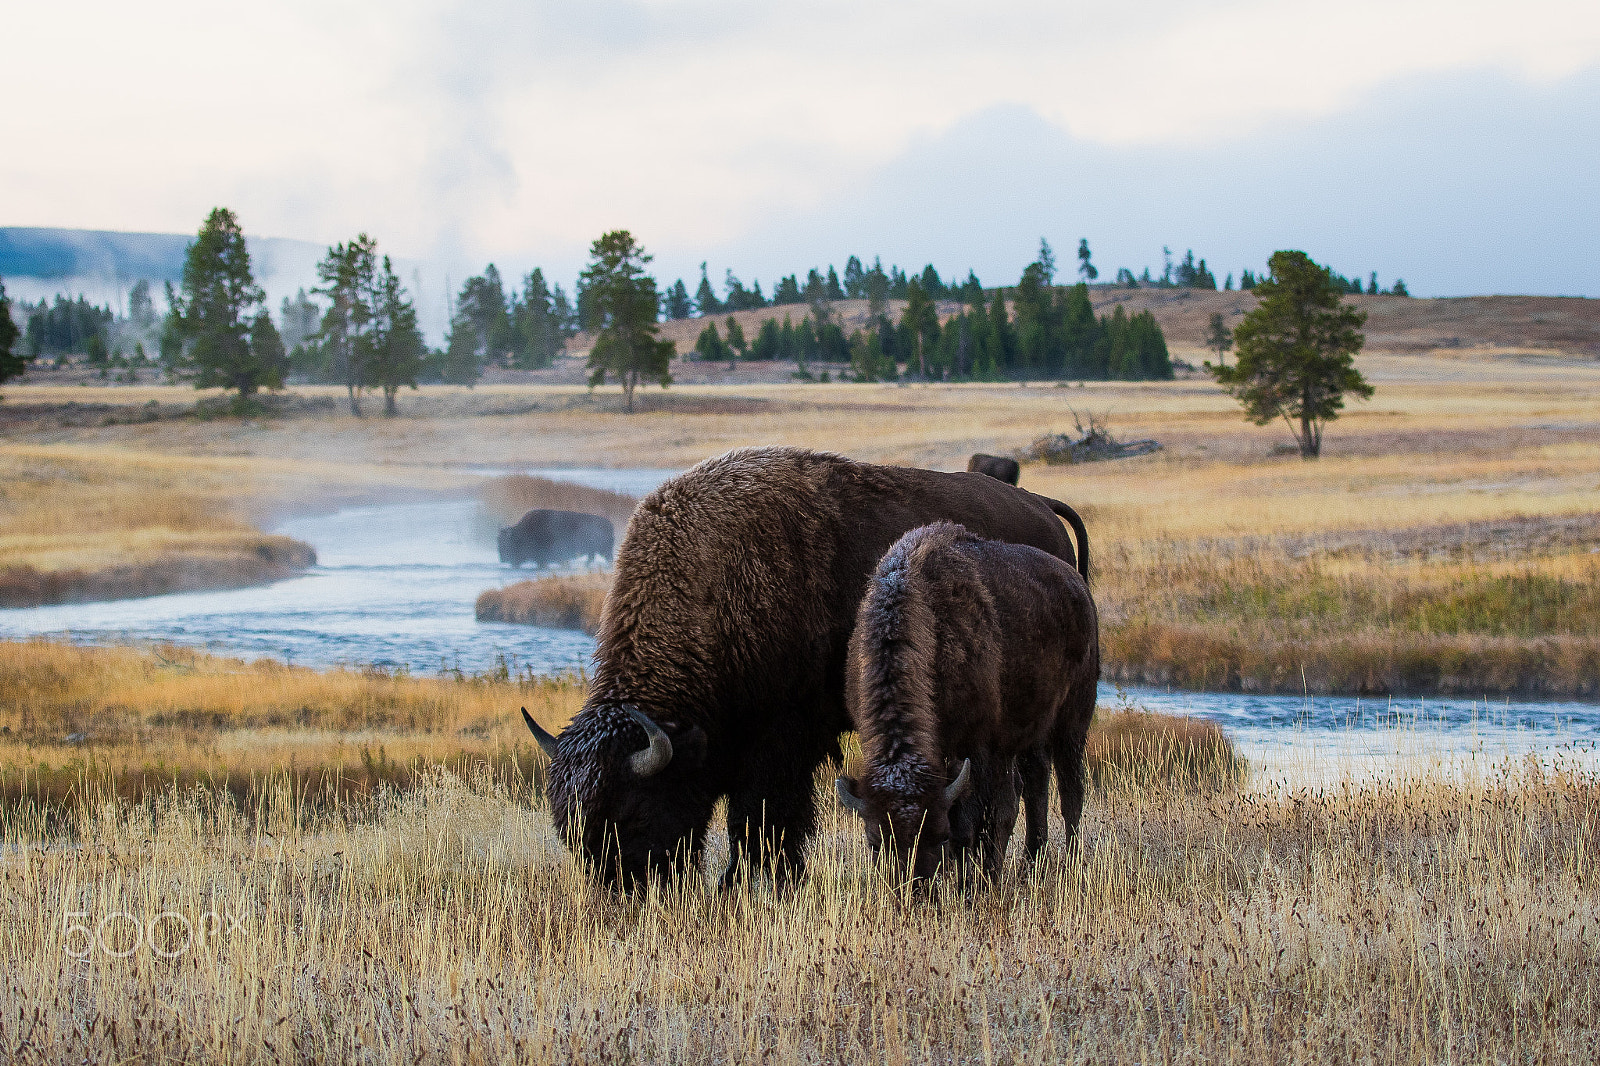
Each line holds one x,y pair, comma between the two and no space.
390,880
1467,480
434,918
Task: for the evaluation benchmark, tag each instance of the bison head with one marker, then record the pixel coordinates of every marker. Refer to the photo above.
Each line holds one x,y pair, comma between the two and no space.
912,817
624,792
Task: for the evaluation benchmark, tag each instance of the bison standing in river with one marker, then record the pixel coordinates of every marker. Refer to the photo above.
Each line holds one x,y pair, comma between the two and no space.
720,665
551,538
967,656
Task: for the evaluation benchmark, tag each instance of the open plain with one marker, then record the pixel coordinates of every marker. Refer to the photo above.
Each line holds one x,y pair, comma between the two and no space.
358,865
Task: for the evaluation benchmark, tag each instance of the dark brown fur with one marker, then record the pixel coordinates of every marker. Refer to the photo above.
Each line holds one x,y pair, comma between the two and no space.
996,466
736,590
966,648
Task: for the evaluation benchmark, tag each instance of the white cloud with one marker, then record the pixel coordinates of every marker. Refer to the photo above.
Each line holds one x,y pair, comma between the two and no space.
504,127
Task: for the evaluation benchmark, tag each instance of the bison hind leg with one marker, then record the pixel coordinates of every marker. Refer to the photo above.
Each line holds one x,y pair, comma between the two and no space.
1033,767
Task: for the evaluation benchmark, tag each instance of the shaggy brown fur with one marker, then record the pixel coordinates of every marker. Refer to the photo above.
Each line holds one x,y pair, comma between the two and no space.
736,590
996,466
969,649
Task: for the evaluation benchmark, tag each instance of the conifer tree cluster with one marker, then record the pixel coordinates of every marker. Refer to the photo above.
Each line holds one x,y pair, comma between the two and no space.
1036,330
12,363
524,330
368,338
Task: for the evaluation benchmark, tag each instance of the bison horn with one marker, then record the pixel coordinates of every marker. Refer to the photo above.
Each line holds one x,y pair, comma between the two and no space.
959,785
546,741
647,762
848,797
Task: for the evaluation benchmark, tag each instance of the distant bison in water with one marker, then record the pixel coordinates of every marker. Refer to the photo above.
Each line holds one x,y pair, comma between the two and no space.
996,466
968,656
549,538
720,666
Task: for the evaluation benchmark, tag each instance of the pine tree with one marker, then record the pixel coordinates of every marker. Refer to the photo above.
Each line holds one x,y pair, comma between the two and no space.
346,273
1219,338
875,287
536,327
677,305
737,345
1399,288
395,349
920,324
1372,285
932,284
141,308
709,346
622,310
1296,351
1046,263
705,297
835,292
222,336
818,295
12,362
1086,269
855,285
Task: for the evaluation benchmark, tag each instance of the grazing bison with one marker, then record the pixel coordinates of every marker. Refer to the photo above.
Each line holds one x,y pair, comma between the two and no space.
720,665
968,655
550,538
996,466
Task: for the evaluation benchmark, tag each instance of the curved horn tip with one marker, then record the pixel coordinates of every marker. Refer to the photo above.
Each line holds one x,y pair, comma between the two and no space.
547,742
959,785
847,797
650,760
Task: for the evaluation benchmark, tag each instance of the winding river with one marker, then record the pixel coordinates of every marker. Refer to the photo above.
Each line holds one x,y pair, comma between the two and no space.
394,586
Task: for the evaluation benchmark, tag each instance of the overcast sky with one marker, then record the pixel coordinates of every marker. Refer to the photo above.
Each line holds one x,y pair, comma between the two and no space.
1456,144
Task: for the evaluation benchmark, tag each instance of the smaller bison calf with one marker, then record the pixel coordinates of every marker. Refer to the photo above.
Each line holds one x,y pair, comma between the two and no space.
996,466
971,660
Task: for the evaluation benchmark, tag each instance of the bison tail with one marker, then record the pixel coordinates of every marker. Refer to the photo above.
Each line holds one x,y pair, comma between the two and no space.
1078,530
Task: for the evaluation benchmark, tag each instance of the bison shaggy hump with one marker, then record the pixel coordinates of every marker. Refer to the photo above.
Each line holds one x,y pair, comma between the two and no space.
996,466
720,662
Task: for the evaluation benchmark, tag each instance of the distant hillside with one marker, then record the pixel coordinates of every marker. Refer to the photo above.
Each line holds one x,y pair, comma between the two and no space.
1566,325
29,252
63,254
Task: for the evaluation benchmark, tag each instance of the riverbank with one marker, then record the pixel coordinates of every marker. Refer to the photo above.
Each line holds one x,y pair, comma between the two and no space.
133,723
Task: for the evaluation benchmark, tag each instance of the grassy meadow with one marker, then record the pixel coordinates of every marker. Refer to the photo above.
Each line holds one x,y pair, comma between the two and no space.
358,865
436,919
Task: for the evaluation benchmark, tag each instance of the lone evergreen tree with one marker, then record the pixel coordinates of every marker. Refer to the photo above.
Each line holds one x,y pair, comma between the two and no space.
1086,269
1296,351
1219,338
220,336
677,304
705,297
621,303
12,363
394,347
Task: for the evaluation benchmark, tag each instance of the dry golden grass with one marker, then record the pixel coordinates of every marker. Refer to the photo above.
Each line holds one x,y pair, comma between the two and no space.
90,527
509,498
1425,921
562,602
89,720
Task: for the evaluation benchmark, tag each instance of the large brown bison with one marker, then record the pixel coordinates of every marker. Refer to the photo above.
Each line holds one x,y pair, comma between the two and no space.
720,665
968,655
996,466
551,538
